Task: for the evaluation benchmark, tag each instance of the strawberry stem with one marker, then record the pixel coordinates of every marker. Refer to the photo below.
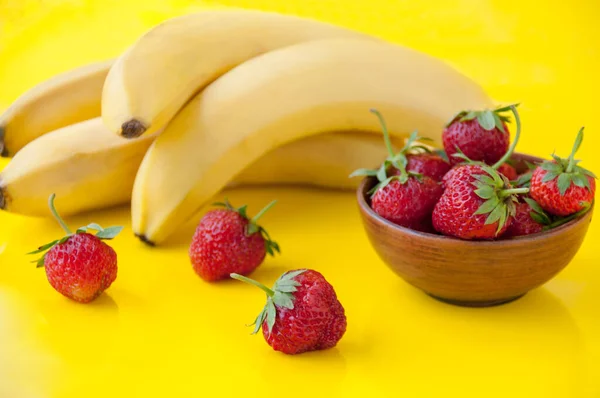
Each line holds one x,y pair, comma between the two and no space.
512,147
57,216
513,191
263,211
242,278
576,146
386,136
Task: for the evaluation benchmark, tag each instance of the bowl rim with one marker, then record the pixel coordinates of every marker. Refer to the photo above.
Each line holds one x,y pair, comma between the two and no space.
366,208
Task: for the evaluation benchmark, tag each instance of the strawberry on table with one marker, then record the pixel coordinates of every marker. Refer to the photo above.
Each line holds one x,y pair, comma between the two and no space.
302,313
561,186
478,203
402,196
481,135
80,265
227,241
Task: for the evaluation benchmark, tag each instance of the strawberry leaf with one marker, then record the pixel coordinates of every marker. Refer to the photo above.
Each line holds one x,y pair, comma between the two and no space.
552,167
549,176
486,120
468,116
485,192
363,172
271,313
524,180
259,320
498,122
109,233
382,173
488,206
580,180
496,214
538,218
441,153
564,182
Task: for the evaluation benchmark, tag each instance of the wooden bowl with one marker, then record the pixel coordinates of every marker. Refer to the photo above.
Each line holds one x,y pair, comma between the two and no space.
472,273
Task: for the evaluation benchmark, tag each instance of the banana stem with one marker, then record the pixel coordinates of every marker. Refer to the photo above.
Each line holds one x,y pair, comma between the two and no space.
57,216
512,147
242,278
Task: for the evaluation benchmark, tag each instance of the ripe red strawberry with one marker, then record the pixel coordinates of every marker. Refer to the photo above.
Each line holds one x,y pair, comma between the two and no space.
227,241
408,204
561,187
508,171
427,164
529,218
480,135
302,313
478,202
80,266
403,197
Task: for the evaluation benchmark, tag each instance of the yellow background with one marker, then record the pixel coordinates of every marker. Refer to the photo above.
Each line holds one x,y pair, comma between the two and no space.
162,332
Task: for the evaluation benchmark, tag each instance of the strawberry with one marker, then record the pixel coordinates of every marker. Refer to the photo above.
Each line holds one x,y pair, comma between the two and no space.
302,313
227,241
427,164
480,135
508,171
408,204
403,197
529,218
79,266
561,187
478,202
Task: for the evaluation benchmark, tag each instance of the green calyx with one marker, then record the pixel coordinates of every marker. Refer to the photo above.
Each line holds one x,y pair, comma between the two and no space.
270,245
538,214
488,119
102,233
395,160
506,157
500,198
567,171
281,295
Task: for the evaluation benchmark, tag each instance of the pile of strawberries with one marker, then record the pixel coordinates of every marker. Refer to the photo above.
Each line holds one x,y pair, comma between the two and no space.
471,190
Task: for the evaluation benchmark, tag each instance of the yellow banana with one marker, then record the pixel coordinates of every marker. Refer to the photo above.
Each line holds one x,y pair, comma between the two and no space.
90,168
160,72
62,100
87,167
282,96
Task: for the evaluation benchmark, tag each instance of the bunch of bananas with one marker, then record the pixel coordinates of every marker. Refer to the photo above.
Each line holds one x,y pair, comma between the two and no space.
214,99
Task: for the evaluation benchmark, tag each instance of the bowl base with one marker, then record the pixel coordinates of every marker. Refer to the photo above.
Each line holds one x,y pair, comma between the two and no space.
488,303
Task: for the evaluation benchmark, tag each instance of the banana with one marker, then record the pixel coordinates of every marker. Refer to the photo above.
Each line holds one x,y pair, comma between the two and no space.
86,165
91,168
165,67
281,96
62,100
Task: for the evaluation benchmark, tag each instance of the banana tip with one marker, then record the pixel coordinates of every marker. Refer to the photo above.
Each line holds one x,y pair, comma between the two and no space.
3,152
144,239
133,129
2,199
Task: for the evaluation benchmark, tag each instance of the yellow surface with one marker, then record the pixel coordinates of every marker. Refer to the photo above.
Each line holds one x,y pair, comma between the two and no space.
162,332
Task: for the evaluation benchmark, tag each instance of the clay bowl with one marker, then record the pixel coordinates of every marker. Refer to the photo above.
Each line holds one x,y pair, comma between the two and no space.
472,273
